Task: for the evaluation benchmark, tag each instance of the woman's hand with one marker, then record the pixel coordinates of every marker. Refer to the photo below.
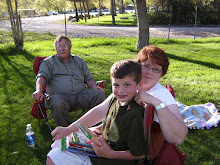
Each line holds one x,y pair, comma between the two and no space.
142,97
103,151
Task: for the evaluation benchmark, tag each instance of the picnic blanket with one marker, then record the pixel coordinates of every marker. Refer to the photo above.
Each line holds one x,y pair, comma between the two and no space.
200,116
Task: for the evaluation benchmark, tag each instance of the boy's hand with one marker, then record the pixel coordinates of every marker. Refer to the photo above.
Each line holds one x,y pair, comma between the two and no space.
103,151
59,132
95,130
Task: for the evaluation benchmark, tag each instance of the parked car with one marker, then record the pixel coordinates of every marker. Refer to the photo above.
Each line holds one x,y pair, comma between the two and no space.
52,12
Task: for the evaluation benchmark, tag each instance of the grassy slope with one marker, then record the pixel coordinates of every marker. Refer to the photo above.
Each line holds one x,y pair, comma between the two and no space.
194,73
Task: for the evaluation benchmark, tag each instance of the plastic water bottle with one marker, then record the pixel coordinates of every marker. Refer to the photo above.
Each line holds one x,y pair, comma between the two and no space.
30,136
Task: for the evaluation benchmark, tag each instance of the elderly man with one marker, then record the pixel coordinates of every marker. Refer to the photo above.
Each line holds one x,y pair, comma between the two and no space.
65,76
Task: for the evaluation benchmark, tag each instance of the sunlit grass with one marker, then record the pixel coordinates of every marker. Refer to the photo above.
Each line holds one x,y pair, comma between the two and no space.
194,73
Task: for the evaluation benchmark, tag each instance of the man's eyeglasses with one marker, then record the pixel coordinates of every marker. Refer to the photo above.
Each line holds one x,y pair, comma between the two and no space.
147,68
62,46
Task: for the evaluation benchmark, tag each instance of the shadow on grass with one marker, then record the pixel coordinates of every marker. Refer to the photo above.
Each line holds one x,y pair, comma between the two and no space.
208,64
99,61
12,68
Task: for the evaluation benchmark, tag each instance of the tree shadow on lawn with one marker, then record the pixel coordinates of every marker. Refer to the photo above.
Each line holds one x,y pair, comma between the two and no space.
208,64
11,67
101,62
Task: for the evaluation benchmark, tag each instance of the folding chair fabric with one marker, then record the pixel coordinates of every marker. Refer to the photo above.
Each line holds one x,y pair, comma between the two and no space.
35,112
37,63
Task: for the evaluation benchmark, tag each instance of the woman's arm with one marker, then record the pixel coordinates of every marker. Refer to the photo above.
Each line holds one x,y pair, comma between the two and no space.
170,119
171,124
92,117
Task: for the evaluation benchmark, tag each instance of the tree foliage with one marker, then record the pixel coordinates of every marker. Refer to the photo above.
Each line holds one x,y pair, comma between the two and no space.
3,10
183,11
52,5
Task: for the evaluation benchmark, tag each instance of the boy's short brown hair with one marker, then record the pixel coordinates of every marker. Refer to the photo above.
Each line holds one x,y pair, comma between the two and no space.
123,68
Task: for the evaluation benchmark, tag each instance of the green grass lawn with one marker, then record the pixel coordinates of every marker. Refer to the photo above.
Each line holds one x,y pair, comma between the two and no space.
127,19
194,74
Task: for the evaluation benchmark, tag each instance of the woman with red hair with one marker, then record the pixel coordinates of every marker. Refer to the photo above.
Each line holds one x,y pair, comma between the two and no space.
155,64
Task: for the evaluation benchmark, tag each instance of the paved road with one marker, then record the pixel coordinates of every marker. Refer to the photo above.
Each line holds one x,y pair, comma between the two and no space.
48,24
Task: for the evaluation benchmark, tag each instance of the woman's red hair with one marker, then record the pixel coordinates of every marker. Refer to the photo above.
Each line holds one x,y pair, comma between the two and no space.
157,55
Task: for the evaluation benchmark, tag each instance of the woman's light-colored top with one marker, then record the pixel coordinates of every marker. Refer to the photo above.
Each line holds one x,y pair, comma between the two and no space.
162,94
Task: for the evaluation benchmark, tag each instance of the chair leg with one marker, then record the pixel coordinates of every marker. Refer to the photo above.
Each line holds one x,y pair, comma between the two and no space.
39,110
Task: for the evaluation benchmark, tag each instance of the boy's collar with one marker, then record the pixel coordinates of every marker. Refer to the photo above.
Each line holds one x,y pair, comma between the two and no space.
125,103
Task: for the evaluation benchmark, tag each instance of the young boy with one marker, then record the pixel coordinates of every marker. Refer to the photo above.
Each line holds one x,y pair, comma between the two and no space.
123,140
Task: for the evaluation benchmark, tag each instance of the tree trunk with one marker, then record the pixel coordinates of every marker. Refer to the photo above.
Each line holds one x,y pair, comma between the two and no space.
100,8
113,11
218,8
142,22
87,6
84,10
77,17
81,10
122,8
16,25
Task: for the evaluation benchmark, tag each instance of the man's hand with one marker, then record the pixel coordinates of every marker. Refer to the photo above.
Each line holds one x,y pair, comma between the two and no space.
92,84
38,95
98,87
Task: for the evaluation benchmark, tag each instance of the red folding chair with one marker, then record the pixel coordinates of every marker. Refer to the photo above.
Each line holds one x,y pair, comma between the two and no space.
39,110
157,143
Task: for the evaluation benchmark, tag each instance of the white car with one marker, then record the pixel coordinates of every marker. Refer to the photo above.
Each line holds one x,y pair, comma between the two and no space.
52,12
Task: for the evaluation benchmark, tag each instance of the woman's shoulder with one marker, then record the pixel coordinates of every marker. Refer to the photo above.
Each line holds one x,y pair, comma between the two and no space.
162,93
158,89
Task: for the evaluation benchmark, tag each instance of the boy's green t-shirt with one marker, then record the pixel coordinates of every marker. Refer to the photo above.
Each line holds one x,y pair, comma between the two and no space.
123,130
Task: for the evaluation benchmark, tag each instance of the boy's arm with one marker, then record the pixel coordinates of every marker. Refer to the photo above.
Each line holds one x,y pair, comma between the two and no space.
92,117
106,152
126,155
